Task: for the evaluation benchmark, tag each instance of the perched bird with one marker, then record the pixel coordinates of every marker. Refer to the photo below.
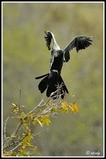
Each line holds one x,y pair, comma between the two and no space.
53,81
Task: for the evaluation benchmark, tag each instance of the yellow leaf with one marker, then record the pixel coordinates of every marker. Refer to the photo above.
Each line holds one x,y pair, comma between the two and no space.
23,114
14,104
21,149
35,121
74,107
54,109
45,120
64,104
13,136
64,110
39,122
15,110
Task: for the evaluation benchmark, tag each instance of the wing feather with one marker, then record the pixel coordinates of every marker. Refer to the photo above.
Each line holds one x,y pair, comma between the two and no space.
48,38
79,42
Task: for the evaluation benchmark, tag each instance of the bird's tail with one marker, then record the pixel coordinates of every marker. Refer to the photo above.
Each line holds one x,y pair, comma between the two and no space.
41,76
43,84
54,84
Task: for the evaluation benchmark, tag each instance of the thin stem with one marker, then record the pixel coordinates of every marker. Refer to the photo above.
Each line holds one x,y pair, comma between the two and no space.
5,124
41,132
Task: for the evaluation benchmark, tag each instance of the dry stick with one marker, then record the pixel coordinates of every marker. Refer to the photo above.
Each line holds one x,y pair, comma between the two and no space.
14,148
5,124
41,132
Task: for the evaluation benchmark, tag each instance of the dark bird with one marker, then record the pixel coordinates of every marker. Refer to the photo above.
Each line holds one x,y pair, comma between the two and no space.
53,81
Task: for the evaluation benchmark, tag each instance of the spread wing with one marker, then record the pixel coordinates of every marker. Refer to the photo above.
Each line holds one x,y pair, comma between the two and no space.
48,38
80,42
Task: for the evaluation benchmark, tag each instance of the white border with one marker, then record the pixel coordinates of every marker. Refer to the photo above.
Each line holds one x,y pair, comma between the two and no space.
103,77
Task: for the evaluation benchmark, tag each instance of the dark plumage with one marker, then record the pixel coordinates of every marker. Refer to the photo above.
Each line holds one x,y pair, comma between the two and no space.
53,81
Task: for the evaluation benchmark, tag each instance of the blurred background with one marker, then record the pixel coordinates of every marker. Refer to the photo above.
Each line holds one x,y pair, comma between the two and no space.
25,56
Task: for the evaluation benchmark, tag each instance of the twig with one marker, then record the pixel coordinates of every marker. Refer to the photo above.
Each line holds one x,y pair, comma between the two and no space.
41,132
35,107
17,128
5,124
14,148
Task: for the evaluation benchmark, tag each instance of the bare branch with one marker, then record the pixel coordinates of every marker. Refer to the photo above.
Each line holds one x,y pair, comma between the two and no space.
36,107
5,124
17,128
13,148
41,132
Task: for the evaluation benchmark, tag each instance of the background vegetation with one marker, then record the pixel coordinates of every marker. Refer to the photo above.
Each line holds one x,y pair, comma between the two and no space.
26,56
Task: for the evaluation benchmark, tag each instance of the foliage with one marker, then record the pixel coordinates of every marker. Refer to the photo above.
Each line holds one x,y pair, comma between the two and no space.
19,142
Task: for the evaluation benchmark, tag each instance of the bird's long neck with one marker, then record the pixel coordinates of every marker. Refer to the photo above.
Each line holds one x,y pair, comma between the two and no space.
55,45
